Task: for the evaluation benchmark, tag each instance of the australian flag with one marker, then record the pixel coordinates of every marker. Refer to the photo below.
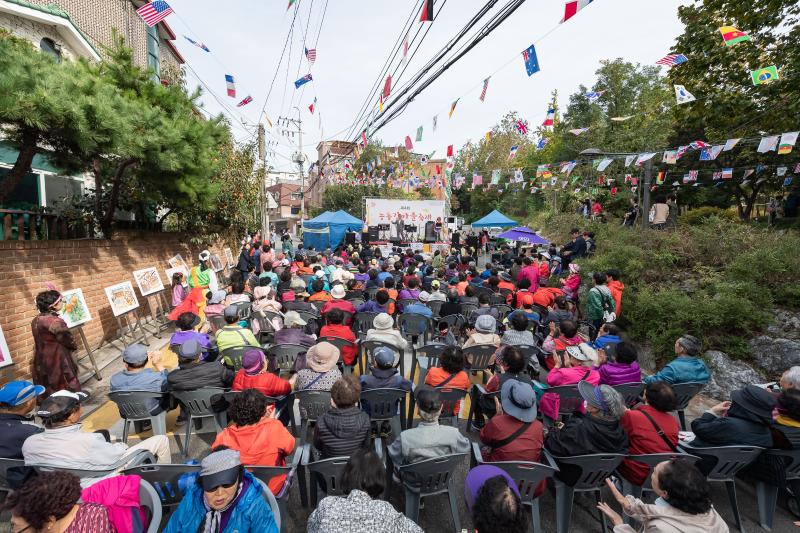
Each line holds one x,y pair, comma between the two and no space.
531,62
302,81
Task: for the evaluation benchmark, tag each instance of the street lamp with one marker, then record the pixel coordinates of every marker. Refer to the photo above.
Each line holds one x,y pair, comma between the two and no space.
648,177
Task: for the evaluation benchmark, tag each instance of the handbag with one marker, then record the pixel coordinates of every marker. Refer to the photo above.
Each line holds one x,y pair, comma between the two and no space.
659,431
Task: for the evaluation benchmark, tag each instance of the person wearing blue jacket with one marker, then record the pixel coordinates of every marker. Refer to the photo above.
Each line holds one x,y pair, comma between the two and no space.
685,368
226,498
608,334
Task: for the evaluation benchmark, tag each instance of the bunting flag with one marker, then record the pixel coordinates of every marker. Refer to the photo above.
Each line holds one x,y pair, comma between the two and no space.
698,145
154,12
732,36
683,96
483,91
409,146
787,181
672,60
291,3
476,179
268,120
231,85
781,171
488,136
622,119
593,96
311,55
661,177
768,144
730,143
531,62
435,121
797,168
670,157
311,107
197,44
571,8
542,143
578,131
364,140
495,177
380,103
604,164
551,117
644,157
711,153
727,173
419,134
522,128
302,81
453,108
427,12
513,152
764,75
245,101
450,150
405,50
387,86
787,143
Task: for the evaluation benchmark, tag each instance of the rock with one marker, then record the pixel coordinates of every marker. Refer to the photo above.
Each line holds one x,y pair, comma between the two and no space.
728,375
775,355
786,325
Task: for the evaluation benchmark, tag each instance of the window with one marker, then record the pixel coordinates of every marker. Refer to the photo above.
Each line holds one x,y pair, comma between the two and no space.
25,195
49,47
59,190
152,52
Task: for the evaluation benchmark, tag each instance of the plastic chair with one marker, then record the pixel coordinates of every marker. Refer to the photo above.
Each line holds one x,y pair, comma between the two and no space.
477,393
285,355
340,343
730,459
139,458
363,322
425,357
527,475
319,305
767,493
450,398
325,474
217,322
428,478
244,309
403,302
503,310
315,403
684,392
133,407
5,466
456,324
148,498
595,469
466,310
533,365
371,293
165,480
570,399
435,306
480,356
232,357
357,302
265,474
368,347
632,392
273,504
198,405
265,328
383,404
412,325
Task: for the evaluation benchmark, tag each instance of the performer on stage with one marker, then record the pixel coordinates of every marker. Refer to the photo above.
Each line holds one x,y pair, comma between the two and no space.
438,229
202,279
399,228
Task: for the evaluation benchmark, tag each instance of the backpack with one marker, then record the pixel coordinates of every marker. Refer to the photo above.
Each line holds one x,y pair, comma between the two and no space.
609,305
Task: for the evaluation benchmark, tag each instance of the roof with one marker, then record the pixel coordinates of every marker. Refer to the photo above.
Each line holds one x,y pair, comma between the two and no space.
329,218
495,218
55,16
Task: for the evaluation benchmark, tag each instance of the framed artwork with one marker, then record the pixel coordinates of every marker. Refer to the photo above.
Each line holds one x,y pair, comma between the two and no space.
74,310
178,262
148,280
216,263
122,298
229,256
171,271
5,355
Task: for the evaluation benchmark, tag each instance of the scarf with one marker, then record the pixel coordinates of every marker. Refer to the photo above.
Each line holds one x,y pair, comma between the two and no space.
213,522
787,421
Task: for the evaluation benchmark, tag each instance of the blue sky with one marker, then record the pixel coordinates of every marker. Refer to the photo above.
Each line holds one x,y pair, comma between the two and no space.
246,39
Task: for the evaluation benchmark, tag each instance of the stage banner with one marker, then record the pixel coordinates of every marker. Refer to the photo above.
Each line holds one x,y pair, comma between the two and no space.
410,212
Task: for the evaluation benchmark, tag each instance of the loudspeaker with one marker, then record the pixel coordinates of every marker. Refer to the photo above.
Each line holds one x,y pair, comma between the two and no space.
373,233
430,231
350,237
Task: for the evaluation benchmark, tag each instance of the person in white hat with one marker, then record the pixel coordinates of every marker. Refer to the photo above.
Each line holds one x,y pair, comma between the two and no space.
202,279
293,332
383,331
338,294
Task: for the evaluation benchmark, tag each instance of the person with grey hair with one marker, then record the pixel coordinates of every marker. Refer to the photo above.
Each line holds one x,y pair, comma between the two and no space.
790,379
597,431
686,367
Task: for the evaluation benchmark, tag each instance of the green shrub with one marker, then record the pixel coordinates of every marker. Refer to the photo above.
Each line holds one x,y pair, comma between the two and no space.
700,214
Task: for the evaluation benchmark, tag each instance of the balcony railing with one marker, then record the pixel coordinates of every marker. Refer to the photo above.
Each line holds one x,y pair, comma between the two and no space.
33,226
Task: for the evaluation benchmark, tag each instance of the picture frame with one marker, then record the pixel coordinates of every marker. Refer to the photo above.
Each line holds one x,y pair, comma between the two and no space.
148,280
229,257
74,310
177,261
122,298
5,354
216,263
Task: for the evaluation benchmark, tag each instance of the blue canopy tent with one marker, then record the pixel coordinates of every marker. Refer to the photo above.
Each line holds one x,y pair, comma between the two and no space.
328,229
494,219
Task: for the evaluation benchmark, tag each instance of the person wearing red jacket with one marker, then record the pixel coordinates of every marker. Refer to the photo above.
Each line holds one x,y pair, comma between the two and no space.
336,328
643,425
616,287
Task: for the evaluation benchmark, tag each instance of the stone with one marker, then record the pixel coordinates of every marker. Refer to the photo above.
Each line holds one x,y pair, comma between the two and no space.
727,375
774,354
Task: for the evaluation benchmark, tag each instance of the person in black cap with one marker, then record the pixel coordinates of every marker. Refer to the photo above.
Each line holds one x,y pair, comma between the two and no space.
136,377
226,497
191,374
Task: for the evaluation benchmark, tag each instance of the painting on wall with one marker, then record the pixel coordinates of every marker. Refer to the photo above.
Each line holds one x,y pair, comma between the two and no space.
229,256
148,280
74,310
122,298
216,263
5,355
178,262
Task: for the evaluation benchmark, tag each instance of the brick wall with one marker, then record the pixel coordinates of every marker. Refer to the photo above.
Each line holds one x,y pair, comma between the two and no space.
91,265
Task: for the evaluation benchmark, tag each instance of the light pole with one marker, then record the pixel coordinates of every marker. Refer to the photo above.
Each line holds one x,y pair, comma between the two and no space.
648,177
299,158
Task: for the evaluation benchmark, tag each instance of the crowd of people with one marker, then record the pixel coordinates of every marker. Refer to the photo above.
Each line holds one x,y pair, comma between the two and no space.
524,307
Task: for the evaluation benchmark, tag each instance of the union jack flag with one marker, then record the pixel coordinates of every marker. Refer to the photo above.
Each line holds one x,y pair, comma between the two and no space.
244,102
672,60
154,12
522,127
311,55
697,145
485,86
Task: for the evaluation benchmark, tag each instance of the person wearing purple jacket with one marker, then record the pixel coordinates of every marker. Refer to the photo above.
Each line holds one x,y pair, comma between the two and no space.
618,364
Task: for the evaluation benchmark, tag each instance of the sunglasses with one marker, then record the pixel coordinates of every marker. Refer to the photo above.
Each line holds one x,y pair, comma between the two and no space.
223,485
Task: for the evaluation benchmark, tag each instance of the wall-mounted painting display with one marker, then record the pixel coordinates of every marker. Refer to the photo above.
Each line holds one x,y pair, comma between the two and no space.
74,310
216,263
122,298
5,355
171,271
178,262
229,256
148,280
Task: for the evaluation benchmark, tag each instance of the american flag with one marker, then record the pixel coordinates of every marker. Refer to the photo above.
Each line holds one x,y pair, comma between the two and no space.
154,12
485,86
244,102
672,60
311,55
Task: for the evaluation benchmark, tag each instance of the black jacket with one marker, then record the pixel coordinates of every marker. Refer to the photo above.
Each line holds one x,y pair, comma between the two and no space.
14,429
245,262
711,431
450,308
585,435
340,432
200,375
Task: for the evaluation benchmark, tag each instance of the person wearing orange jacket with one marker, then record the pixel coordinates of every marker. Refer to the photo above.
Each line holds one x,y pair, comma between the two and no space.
616,287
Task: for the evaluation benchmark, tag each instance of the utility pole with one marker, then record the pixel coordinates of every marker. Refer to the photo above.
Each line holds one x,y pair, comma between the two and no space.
648,180
299,158
262,159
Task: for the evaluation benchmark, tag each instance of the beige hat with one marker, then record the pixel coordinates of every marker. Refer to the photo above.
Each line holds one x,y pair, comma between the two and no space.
383,321
337,292
322,357
292,319
583,352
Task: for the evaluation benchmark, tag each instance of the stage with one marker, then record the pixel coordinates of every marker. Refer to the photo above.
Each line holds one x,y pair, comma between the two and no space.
427,247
